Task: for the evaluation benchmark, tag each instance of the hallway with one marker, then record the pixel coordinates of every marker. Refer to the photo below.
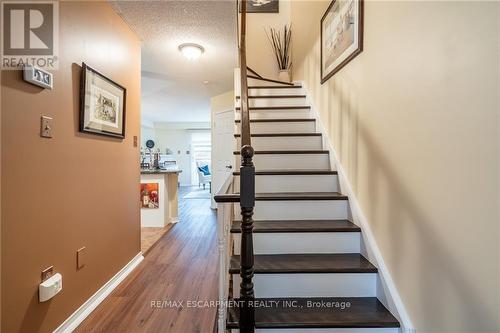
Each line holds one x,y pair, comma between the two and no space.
182,266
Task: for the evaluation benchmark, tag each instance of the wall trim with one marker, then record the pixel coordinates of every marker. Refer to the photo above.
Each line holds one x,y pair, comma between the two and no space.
386,289
72,322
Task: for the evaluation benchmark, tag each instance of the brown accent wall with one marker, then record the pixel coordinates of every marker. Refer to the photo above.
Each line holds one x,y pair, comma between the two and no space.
72,190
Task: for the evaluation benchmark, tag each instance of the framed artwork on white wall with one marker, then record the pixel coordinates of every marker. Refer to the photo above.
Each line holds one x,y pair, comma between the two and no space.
262,6
341,35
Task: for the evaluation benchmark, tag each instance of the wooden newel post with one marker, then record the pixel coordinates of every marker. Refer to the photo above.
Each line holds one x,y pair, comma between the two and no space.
247,203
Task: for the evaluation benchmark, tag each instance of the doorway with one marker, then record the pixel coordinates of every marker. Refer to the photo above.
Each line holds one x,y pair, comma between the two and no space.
222,157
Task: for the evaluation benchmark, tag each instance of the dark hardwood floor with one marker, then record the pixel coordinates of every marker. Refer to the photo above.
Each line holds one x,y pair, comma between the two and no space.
182,266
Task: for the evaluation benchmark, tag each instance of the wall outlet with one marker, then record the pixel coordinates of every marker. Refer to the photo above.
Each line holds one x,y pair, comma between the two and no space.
80,258
47,273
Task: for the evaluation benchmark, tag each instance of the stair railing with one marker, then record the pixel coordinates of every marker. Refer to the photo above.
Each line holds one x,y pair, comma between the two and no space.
247,191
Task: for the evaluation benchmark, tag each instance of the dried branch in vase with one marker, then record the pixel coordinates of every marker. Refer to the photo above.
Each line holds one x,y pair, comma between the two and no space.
280,42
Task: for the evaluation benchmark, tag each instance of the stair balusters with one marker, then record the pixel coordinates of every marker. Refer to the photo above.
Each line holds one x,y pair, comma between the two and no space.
247,194
247,203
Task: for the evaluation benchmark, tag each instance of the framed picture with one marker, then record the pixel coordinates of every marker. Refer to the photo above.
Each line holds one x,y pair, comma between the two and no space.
341,35
262,6
150,195
102,108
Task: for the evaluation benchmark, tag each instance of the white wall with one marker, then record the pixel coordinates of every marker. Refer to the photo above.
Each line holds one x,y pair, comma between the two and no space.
177,138
179,142
147,133
260,56
415,122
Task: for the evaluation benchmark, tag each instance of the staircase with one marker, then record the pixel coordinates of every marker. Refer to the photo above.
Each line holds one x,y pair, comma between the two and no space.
307,253
290,258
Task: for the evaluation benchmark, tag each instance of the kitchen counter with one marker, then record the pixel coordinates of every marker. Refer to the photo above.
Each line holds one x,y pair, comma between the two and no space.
159,171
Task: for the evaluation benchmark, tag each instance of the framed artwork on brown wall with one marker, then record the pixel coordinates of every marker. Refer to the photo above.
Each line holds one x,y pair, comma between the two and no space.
341,35
102,104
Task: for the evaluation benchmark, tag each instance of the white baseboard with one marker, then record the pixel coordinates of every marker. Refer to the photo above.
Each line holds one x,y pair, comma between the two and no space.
174,220
72,322
387,291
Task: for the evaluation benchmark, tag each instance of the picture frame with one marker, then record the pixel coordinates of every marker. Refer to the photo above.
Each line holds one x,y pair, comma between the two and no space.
261,6
102,104
341,35
150,195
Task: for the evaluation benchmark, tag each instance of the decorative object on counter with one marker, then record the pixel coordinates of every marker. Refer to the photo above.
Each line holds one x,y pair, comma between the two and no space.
280,42
262,6
154,158
150,195
150,144
341,35
170,165
102,108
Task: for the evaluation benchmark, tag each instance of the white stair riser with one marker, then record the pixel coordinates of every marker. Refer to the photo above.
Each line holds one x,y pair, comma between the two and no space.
288,161
311,285
275,91
277,114
262,83
270,102
286,143
298,210
325,330
302,242
280,127
293,183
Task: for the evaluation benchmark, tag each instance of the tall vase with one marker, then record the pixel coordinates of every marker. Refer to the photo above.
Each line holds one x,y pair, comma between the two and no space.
284,75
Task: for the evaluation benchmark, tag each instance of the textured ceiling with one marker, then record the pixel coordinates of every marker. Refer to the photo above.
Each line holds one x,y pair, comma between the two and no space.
173,88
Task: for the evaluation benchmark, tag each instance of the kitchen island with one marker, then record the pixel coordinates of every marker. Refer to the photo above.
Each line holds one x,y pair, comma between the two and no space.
159,197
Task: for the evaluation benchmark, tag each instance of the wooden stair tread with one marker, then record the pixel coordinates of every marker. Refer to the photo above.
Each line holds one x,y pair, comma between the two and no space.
276,107
364,312
263,152
284,196
275,120
274,96
300,196
269,80
306,263
274,87
296,172
264,135
289,226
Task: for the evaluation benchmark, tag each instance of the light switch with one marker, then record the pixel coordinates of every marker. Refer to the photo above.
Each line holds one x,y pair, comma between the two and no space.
46,127
80,258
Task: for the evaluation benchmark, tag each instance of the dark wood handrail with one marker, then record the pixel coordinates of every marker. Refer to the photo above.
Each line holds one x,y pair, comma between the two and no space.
253,72
247,191
245,115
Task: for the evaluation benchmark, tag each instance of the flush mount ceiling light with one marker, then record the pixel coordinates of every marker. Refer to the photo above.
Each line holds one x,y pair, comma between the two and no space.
191,51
